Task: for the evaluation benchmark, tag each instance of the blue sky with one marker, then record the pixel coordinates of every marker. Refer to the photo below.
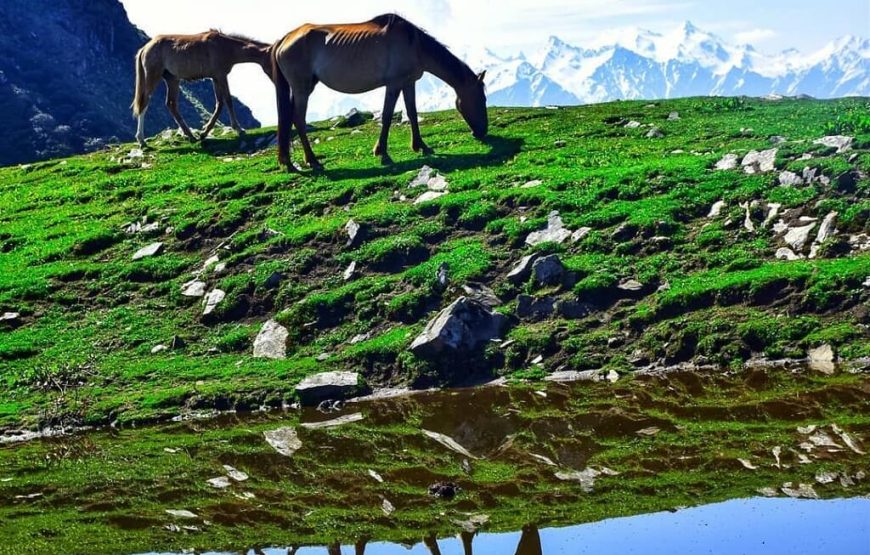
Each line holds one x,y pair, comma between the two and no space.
509,26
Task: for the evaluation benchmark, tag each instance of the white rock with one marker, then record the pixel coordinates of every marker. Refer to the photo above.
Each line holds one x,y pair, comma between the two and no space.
747,465
377,477
632,124
790,179
181,513
10,316
579,234
804,491
531,184
158,349
826,231
387,507
747,220
554,232
822,353
211,300
772,212
847,439
271,342
220,482
728,162
448,442
841,142
673,116
422,177
716,209
429,196
349,271
759,162
148,251
235,474
785,253
283,440
193,288
335,422
796,237
437,183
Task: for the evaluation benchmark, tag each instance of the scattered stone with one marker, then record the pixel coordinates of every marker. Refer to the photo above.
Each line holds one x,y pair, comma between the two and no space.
193,288
826,231
585,477
448,442
768,492
482,294
821,358
728,162
772,213
747,465
349,272
220,482
759,162
284,440
158,349
806,430
630,285
211,301
460,327
531,184
148,251
747,220
354,233
826,477
387,507
322,357
444,490
534,308
235,474
573,376
632,124
716,209
442,276
10,319
777,139
181,513
579,234
546,460
797,237
790,179
555,231
674,116
328,385
548,270
437,183
624,232
359,338
785,253
560,144
777,451
354,118
841,142
651,431
802,491
429,196
847,439
377,477
341,420
613,377
521,272
271,342
573,310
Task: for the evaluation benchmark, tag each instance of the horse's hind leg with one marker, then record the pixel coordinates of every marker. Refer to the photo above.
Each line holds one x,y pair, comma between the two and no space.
300,108
417,144
150,84
232,110
221,91
173,88
390,99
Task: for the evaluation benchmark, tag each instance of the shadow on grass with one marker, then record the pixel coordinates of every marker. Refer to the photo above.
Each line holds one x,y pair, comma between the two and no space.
499,151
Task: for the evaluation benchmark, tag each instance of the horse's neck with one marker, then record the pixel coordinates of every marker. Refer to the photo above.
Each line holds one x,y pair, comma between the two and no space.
247,53
441,63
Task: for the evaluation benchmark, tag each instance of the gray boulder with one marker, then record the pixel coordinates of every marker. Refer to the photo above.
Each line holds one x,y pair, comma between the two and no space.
148,251
573,310
459,328
328,385
271,342
354,233
535,308
521,272
548,270
554,232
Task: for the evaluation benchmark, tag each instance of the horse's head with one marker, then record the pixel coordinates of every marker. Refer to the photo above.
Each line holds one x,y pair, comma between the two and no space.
471,103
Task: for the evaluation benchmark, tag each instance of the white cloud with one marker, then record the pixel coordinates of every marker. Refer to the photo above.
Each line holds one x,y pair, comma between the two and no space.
754,36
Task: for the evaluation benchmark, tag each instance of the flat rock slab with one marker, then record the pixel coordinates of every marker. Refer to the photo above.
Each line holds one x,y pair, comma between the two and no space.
429,196
328,385
211,301
283,440
340,421
841,142
555,231
194,288
448,442
521,272
146,252
728,162
759,162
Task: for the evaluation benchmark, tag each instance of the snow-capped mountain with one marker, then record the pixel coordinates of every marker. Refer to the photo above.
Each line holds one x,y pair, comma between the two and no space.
634,63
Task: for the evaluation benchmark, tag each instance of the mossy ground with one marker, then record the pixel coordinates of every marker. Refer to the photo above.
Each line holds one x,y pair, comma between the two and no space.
91,315
108,491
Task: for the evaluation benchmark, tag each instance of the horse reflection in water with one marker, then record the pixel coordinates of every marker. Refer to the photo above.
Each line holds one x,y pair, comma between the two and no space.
530,544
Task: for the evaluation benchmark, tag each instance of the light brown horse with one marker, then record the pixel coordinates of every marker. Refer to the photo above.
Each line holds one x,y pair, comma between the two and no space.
387,51
174,58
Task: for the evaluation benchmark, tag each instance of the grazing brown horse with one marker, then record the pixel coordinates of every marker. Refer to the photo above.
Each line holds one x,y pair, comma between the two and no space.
387,51
174,58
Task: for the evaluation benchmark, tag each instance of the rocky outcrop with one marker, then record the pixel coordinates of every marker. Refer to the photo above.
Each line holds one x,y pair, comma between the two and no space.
328,385
78,98
271,342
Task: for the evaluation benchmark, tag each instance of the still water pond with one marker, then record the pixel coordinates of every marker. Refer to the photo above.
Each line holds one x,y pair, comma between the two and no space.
579,460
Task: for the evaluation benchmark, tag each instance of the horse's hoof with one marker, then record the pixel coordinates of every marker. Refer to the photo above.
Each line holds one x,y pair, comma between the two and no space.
315,166
386,160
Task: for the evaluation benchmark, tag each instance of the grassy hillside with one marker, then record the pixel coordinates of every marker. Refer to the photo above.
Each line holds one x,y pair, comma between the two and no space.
83,348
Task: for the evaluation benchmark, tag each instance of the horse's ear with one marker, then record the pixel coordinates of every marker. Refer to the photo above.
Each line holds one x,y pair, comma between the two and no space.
480,76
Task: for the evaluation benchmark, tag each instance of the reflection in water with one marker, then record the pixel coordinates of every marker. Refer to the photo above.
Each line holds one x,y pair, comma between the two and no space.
771,526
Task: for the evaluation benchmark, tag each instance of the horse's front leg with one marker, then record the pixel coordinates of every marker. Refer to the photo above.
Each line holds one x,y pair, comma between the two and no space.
410,94
386,119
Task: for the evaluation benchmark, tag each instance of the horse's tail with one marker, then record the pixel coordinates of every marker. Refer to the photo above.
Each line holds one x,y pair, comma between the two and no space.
138,105
285,109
